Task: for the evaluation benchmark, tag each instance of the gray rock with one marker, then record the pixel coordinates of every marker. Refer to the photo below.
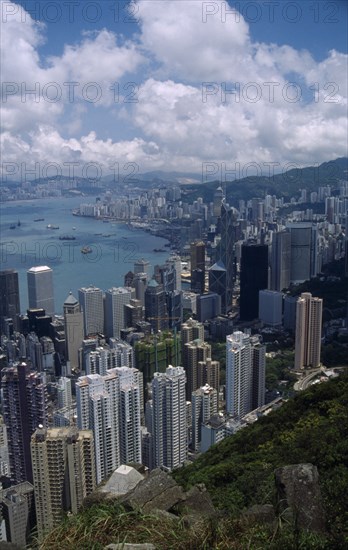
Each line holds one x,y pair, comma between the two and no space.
158,490
299,496
260,513
130,546
123,480
165,515
197,503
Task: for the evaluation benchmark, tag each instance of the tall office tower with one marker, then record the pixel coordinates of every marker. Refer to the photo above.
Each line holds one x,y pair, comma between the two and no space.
115,300
304,251
208,306
17,509
40,288
142,266
131,405
97,400
197,256
169,426
271,307
140,284
204,405
309,311
176,262
217,201
155,306
280,260
193,352
74,330
9,298
218,283
92,305
225,252
253,278
24,408
64,392
208,372
63,472
245,373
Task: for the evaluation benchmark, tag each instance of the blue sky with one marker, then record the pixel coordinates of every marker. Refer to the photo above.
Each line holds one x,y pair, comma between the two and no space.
164,70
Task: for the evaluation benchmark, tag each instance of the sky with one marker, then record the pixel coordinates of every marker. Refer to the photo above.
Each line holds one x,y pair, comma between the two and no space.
206,87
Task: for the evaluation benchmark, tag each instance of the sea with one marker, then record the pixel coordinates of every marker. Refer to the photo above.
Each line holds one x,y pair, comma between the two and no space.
25,243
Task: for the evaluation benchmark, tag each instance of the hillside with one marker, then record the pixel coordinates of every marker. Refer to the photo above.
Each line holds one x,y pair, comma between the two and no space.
238,472
285,184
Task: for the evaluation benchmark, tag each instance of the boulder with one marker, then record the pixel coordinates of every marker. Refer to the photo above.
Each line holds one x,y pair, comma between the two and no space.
260,513
299,497
197,503
157,491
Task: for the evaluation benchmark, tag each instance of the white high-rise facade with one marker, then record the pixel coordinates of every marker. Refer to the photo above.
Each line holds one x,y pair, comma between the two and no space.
245,373
115,300
40,288
309,311
169,423
97,399
92,305
130,403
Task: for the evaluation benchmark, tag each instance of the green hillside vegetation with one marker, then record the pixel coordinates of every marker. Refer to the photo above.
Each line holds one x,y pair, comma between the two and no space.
312,427
286,184
239,472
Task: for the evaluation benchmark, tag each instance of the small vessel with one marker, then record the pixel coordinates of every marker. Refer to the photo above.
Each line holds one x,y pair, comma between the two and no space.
50,226
39,220
67,238
13,226
74,228
158,250
86,250
18,223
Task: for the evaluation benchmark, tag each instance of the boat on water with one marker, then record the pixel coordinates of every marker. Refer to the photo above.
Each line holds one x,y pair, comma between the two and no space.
159,250
39,220
13,226
67,238
74,228
51,226
86,250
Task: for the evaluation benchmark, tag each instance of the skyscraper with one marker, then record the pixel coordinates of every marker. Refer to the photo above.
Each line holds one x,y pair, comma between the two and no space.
9,297
253,278
193,353
225,252
309,311
218,283
169,426
245,373
197,254
204,405
280,260
97,400
115,300
304,251
74,333
63,472
24,408
130,403
40,288
155,306
92,305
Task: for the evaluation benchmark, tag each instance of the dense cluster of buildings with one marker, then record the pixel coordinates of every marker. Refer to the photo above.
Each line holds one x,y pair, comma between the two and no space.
127,374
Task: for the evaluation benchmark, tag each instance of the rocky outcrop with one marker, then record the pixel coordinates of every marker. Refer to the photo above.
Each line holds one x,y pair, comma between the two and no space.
299,498
260,513
157,491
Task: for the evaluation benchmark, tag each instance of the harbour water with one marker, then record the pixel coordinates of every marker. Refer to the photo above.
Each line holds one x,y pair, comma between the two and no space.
114,246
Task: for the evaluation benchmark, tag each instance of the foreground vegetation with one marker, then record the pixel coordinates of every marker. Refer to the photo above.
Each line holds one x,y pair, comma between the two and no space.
239,472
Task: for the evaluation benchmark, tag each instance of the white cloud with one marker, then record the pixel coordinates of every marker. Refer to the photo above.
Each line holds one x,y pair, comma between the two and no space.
172,125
